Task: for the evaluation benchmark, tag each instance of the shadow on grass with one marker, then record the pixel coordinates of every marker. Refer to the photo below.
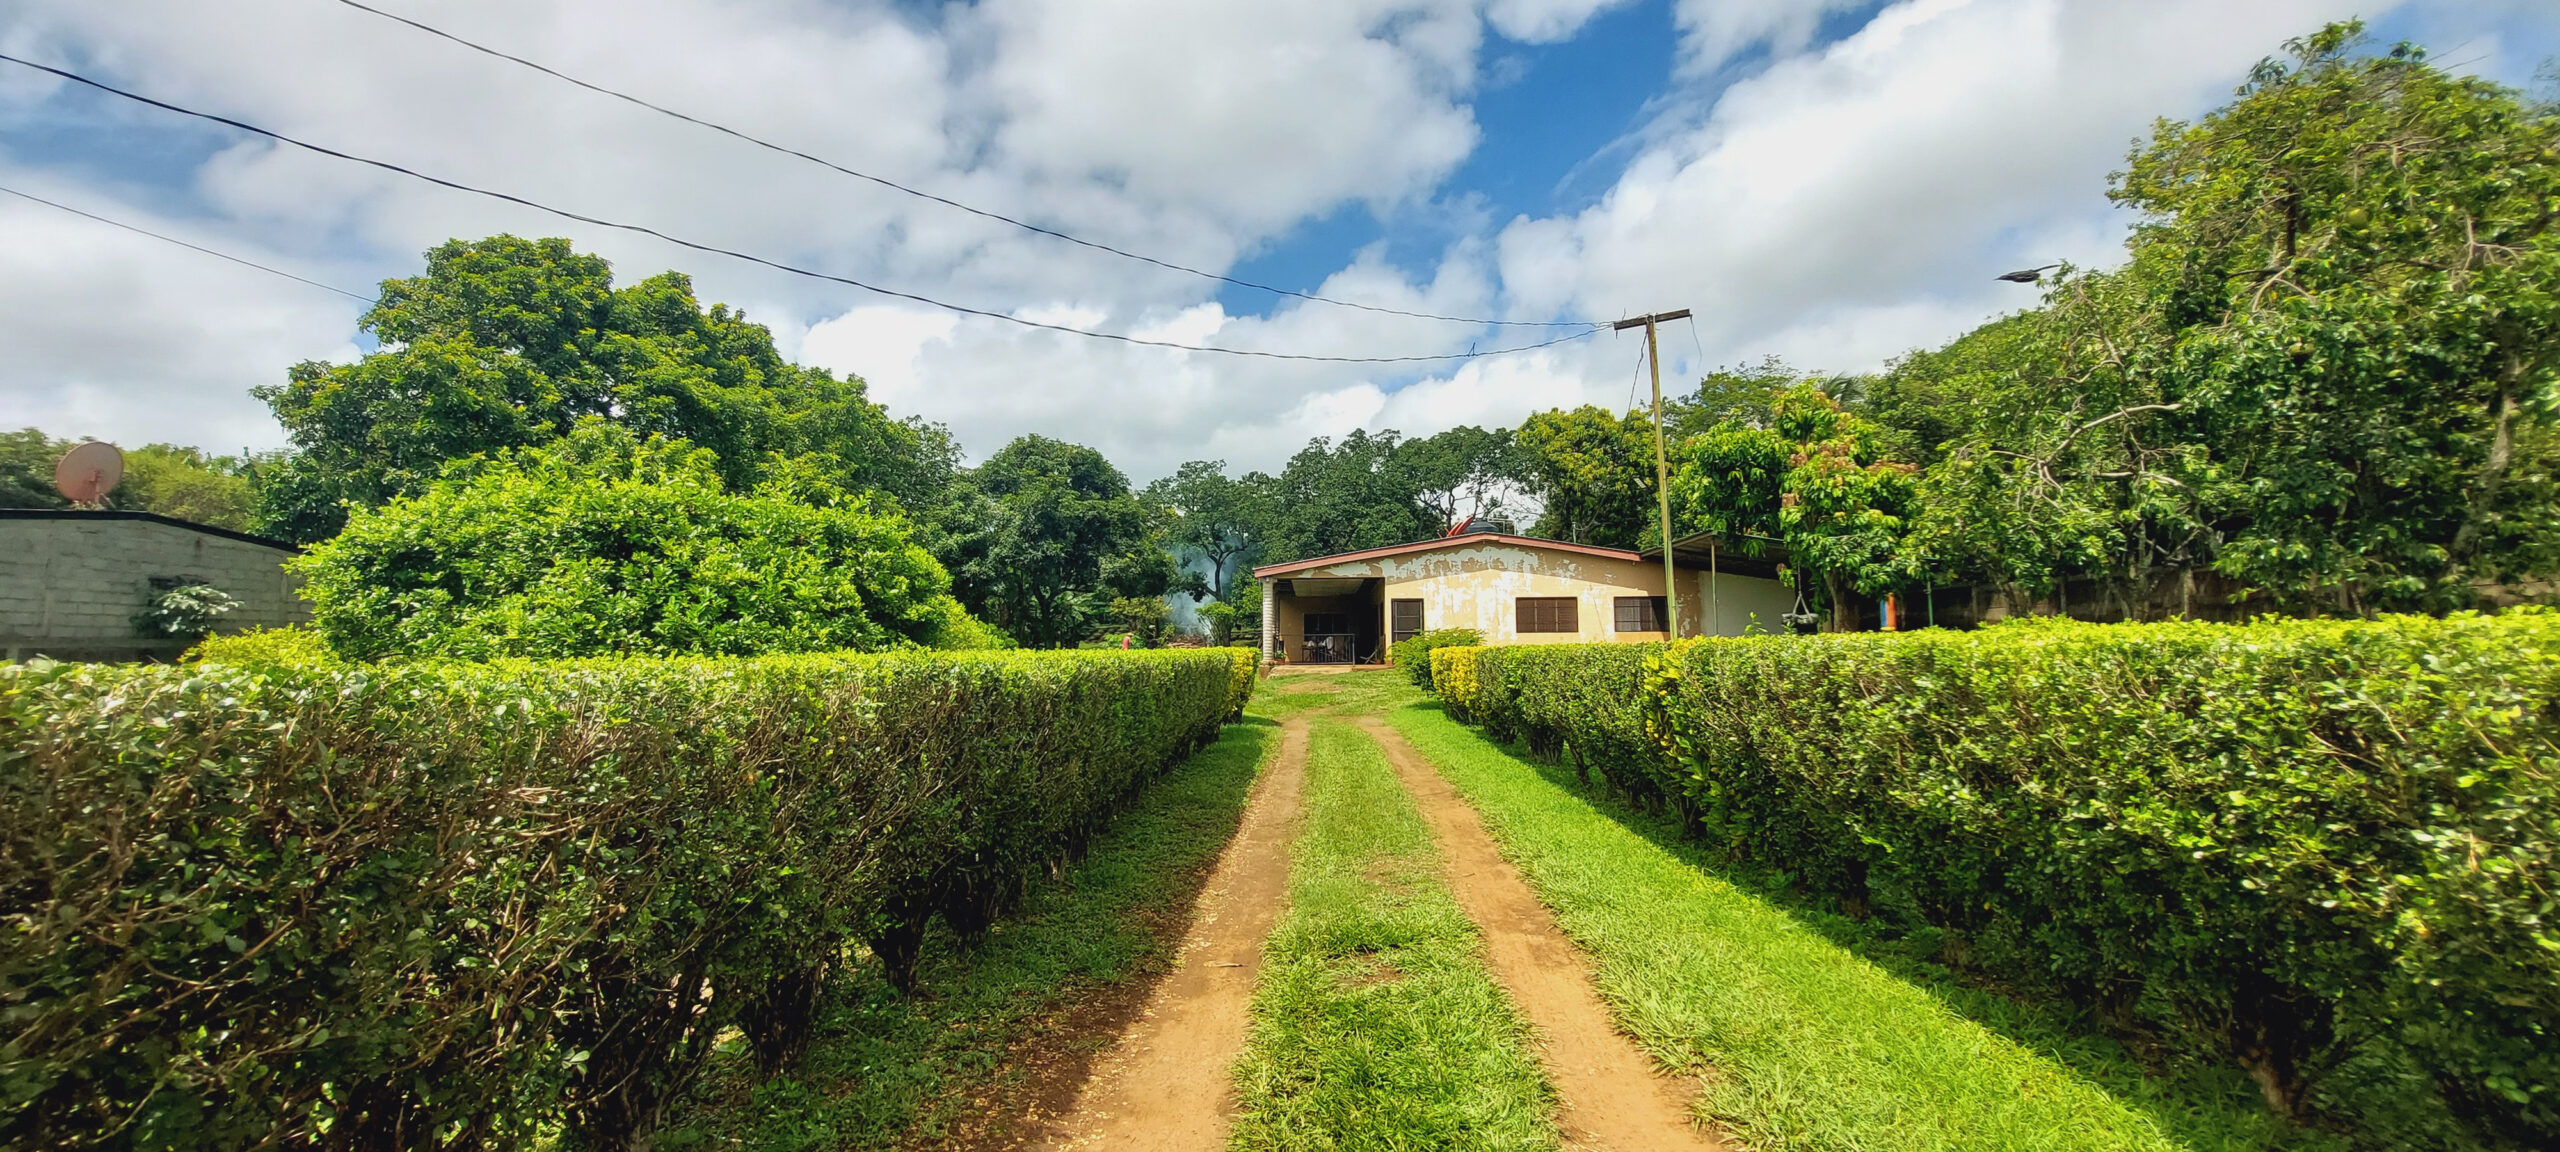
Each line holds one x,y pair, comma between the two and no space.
2206,1107
1012,1023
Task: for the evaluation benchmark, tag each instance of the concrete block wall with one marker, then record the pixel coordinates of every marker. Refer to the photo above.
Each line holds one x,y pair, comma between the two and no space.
70,582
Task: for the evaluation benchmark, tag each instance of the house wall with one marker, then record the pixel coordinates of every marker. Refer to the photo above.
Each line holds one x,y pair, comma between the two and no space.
1478,586
1740,605
70,583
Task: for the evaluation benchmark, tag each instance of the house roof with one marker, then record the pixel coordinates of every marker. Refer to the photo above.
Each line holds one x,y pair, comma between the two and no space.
1467,541
1745,555
149,517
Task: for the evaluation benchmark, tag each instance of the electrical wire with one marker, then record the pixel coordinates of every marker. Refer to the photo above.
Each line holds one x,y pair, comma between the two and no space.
777,265
245,263
885,182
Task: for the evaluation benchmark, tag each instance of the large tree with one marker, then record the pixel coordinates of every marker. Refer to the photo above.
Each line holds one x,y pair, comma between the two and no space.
1214,515
1463,473
1816,477
1595,473
1048,535
507,343
1342,496
2328,371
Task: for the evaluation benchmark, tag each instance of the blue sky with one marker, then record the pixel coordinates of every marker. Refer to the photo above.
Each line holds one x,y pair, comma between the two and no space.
1829,181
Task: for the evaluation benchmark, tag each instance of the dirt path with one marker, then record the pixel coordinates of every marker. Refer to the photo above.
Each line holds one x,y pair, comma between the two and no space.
1165,1086
1609,1095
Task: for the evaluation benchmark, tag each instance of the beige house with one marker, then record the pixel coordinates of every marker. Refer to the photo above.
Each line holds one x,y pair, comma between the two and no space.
1514,590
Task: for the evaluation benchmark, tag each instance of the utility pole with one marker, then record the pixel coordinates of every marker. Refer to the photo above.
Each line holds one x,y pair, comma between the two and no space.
1661,461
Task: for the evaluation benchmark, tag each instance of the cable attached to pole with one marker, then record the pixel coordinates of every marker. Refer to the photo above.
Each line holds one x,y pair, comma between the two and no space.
893,185
777,265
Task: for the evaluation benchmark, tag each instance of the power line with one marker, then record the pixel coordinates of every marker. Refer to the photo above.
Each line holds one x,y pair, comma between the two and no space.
644,230
885,182
245,263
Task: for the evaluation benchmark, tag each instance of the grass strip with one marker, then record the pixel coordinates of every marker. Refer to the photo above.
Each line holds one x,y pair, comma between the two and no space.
892,1070
1376,1025
1806,1045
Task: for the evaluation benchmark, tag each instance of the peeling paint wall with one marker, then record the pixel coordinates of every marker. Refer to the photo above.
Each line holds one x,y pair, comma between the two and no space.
1479,586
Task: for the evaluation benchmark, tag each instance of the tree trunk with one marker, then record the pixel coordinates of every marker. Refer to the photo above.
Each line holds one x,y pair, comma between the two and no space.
2502,449
1844,613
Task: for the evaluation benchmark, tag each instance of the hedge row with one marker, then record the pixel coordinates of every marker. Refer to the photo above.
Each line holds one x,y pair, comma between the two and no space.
2325,849
459,906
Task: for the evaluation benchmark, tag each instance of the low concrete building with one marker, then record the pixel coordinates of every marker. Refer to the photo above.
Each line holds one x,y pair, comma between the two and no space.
72,581
1514,590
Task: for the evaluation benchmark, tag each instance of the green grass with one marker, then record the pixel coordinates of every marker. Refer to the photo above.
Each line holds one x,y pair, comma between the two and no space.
891,1069
1376,1025
1349,693
1809,1045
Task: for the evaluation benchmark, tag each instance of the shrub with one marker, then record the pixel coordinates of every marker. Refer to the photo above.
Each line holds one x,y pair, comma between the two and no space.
2323,849
276,902
182,608
264,646
1413,653
601,544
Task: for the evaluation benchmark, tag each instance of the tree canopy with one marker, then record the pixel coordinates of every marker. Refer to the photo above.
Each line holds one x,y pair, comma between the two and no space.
2327,371
605,543
509,343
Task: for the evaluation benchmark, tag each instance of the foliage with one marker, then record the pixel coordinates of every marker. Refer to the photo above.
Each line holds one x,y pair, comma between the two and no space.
184,483
2330,370
2321,849
1341,496
1143,617
1595,472
1795,1042
1815,477
509,343
1055,537
604,544
182,608
1413,653
288,646
491,905
888,1071
1214,516
188,484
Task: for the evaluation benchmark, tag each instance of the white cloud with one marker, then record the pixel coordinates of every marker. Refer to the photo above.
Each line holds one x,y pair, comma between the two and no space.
1837,205
109,336
1713,32
1839,200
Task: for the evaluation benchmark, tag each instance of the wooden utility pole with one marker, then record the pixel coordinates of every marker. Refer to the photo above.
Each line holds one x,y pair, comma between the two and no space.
1661,461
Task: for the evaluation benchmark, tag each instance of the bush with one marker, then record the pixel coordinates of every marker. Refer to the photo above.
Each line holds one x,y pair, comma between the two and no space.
1413,653
291,645
601,544
451,906
182,608
2322,849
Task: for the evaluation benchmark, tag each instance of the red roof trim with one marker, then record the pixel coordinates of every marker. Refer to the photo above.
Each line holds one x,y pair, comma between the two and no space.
1267,571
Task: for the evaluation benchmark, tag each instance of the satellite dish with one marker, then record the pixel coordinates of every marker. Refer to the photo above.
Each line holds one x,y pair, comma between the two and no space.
88,472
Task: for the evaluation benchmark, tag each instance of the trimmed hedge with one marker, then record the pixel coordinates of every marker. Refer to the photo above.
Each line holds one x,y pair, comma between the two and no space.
457,906
2325,849
1413,653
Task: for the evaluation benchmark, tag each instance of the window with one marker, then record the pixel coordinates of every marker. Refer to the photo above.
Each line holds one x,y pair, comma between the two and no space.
1641,613
1405,619
1550,614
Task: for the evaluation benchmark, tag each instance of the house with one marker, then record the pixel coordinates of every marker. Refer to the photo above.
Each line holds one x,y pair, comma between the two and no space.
1514,590
71,581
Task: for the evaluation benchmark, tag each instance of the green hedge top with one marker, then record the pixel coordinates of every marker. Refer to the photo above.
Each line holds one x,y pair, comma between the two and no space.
459,903
2326,848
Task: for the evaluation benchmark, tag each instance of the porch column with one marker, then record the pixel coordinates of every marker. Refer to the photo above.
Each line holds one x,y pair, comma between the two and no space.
1270,616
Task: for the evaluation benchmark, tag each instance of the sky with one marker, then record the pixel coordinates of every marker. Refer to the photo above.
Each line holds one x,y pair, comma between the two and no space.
1830,182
